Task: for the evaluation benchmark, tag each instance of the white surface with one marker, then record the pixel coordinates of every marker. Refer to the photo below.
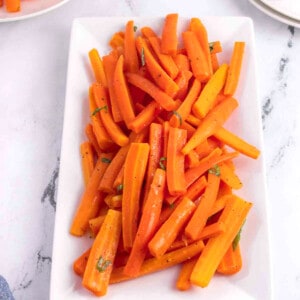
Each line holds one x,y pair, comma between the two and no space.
290,8
250,283
33,64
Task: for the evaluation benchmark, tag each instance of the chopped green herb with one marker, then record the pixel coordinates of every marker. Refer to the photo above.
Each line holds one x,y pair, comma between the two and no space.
215,170
178,115
172,205
119,188
106,160
99,109
211,46
237,239
143,57
135,28
102,264
161,164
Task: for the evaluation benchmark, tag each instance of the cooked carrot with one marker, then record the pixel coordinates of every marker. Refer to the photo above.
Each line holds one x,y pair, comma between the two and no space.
87,161
199,218
175,161
219,204
182,62
1,3
233,216
97,66
182,80
91,199
13,5
194,121
99,266
169,40
190,130
96,223
166,129
80,263
214,62
213,120
151,89
236,142
131,61
215,47
159,75
118,182
89,132
123,97
234,68
168,232
231,262
148,223
208,96
113,201
117,40
183,280
229,177
197,56
148,32
192,159
156,264
134,171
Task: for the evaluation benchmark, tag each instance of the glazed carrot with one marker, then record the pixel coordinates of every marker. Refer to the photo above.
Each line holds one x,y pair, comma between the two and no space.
114,131
183,280
169,40
148,32
123,97
194,121
159,75
91,199
190,130
166,60
109,64
224,188
209,93
99,266
166,129
89,132
175,161
182,62
214,62
215,47
233,216
182,80
1,3
79,264
213,120
13,5
199,218
148,223
185,108
192,159
236,142
197,56
131,61
234,68
168,232
97,66
113,201
151,89
168,260
219,204
229,177
134,171
87,161
117,40
95,224
231,262
118,182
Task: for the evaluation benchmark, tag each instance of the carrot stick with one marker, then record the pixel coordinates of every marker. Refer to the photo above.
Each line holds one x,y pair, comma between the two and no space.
175,161
151,89
233,216
182,80
1,3
215,47
194,121
97,66
197,56
219,204
134,171
117,40
99,265
123,97
234,68
169,40
183,281
236,142
131,61
118,182
148,32
87,161
199,218
209,93
13,5
229,177
91,199
95,224
192,159
79,264
166,129
168,260
168,232
213,120
214,62
113,201
114,131
89,132
148,224
182,62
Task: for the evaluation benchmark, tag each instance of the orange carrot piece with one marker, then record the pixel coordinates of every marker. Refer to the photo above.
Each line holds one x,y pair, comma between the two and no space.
168,260
13,5
1,3
148,32
169,40
175,161
182,62
236,143
215,47
134,171
118,182
87,161
159,75
231,262
219,204
95,224
80,263
233,216
228,176
199,218
168,232
113,201
213,120
117,40
234,68
123,97
192,159
151,89
131,61
99,266
148,224
190,130
194,121
114,131
89,132
185,108
209,93
214,62
166,129
197,56
182,80
183,280
97,66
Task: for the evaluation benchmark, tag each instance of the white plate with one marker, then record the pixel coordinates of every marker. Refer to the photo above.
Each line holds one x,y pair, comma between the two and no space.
29,9
254,281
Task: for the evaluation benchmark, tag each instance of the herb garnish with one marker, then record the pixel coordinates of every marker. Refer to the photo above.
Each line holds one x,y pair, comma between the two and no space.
215,170
99,109
161,164
102,264
178,115
237,238
211,46
120,188
106,160
143,57
135,28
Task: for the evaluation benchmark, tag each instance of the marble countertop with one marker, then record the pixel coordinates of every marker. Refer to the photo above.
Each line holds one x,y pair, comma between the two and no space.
33,64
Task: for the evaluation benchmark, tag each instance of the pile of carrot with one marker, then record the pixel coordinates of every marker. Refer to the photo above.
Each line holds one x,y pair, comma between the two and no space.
11,5
158,162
